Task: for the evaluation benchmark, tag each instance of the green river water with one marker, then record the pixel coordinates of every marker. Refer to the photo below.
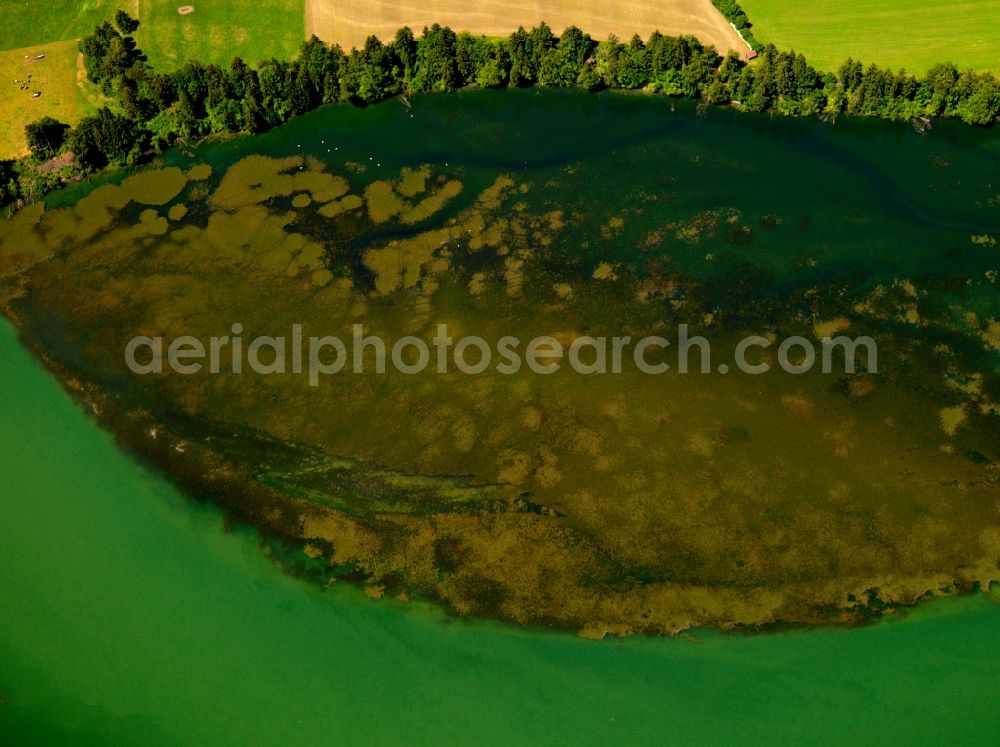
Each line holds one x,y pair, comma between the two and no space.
130,615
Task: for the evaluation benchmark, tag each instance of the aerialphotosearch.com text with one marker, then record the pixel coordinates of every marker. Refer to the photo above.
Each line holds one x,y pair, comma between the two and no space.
321,356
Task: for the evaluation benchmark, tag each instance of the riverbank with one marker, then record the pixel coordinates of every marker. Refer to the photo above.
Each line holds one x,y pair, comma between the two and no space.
156,110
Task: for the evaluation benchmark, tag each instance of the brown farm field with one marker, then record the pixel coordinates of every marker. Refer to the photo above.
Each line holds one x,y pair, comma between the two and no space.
350,22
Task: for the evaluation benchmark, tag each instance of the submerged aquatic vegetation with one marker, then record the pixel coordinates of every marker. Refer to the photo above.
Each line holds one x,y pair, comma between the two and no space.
606,502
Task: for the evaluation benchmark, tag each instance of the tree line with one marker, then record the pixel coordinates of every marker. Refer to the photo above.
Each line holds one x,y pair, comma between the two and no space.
151,110
737,16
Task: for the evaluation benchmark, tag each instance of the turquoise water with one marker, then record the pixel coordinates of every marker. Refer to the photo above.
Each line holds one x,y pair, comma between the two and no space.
128,616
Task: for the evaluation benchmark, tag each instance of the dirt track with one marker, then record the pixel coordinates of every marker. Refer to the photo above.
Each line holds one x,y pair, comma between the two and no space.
350,22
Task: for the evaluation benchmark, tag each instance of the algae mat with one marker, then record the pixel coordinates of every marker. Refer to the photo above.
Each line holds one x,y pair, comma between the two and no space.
618,503
131,617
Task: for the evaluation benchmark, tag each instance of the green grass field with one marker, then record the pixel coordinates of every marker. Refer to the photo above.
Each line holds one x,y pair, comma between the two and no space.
218,31
65,94
43,21
914,34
